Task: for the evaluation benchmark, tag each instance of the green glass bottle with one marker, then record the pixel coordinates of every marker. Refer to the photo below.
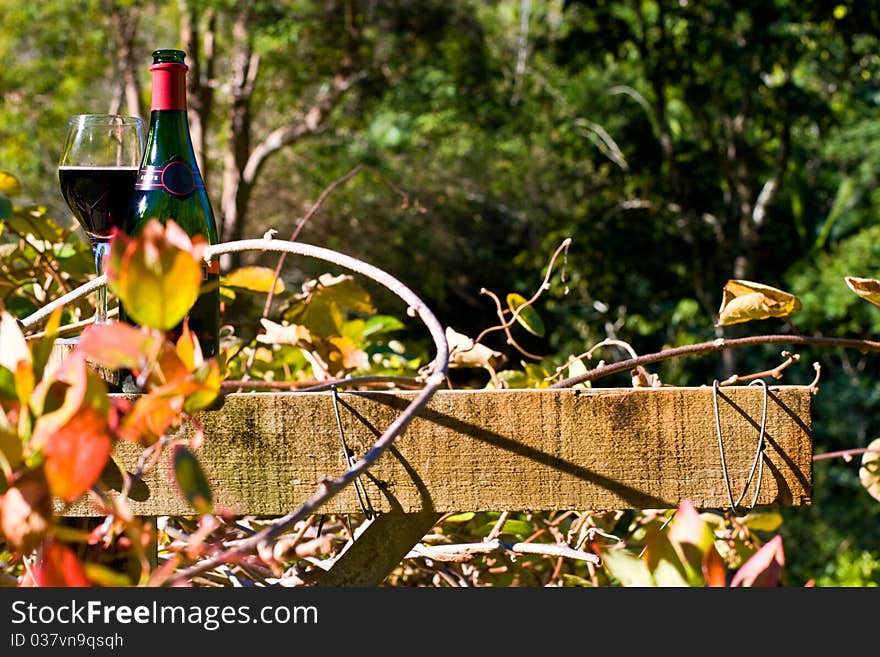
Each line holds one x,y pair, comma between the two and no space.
169,186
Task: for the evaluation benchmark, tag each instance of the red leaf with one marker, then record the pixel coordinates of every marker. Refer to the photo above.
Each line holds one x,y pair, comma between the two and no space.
81,387
151,416
688,527
764,568
25,511
58,566
77,453
168,368
116,345
713,568
119,407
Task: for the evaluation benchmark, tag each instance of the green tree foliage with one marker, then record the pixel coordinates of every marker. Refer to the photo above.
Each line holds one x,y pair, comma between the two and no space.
679,144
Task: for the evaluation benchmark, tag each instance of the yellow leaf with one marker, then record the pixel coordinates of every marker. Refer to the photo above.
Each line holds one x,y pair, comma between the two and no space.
745,301
867,288
157,275
255,279
9,184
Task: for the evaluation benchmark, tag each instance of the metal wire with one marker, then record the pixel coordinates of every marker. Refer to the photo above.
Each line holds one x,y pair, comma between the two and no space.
350,460
757,464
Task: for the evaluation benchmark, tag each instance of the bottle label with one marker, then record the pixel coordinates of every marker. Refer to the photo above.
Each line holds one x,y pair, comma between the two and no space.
175,177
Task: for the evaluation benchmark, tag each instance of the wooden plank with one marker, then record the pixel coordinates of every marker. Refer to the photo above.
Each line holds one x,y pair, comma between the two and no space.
378,549
497,450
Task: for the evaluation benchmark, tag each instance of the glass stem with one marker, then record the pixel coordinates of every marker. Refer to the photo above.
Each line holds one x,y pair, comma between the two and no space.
102,250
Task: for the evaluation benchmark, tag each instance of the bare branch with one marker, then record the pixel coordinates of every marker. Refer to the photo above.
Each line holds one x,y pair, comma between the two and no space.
775,372
720,344
845,454
498,528
308,122
814,385
464,552
316,386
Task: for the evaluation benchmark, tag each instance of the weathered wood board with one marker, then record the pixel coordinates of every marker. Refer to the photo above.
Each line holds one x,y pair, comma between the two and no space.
497,450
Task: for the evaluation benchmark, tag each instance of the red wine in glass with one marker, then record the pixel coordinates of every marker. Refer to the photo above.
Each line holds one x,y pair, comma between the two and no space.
97,172
100,197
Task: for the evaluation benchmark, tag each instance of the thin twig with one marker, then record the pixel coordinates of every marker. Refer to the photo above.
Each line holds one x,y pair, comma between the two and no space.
498,528
845,454
775,372
73,327
270,296
314,386
611,342
294,236
814,384
499,310
545,285
63,300
463,552
721,344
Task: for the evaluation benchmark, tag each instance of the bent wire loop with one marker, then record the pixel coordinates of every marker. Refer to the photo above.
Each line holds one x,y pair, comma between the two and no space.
757,463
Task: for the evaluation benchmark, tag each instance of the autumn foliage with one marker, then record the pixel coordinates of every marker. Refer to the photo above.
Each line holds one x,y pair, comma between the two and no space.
59,423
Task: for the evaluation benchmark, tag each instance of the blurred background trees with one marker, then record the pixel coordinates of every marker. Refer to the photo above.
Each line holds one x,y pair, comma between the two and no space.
678,144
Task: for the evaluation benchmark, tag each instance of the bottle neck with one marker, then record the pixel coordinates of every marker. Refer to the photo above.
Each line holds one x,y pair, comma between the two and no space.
169,86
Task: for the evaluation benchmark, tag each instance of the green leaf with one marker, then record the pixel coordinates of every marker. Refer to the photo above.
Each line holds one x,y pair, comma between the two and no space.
528,318
43,348
11,448
322,306
5,208
573,580
33,221
628,569
869,472
511,527
461,517
664,561
191,480
7,384
379,324
104,576
763,522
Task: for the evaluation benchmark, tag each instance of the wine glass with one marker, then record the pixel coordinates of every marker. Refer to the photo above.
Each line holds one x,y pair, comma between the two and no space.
97,171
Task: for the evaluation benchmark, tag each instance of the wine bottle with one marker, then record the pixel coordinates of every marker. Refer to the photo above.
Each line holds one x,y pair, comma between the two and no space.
169,187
